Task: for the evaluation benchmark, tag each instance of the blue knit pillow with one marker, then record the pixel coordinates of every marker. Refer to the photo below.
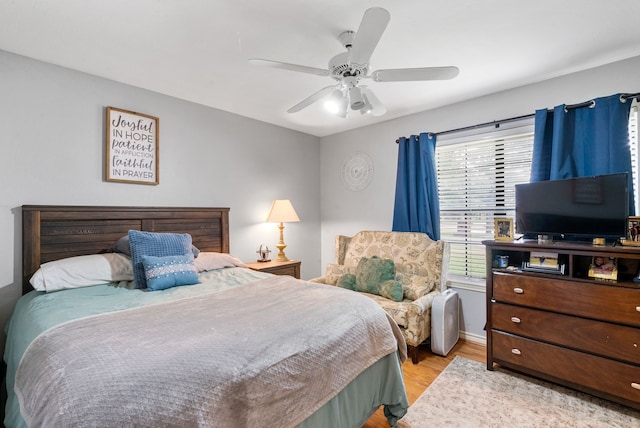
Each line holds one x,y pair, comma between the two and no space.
157,245
169,271
122,246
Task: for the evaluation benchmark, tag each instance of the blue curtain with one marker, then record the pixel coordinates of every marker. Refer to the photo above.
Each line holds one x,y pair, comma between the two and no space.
417,207
583,141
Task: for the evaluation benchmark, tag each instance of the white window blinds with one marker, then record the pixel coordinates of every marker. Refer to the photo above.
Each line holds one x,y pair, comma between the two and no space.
633,143
476,179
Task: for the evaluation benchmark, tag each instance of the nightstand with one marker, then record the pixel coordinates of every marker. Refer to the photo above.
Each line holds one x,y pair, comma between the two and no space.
290,267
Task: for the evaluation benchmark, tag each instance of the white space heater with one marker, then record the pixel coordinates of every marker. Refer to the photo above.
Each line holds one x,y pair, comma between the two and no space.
445,329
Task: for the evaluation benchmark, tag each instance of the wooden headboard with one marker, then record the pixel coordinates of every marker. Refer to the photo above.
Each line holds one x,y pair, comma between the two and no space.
52,232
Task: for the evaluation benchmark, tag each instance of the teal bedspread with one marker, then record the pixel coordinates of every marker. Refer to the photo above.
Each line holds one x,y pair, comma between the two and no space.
36,312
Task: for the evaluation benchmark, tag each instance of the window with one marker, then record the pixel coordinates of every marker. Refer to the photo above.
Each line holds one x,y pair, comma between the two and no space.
635,160
477,174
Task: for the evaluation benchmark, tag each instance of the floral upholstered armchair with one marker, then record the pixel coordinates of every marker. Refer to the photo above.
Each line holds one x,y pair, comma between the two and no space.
421,265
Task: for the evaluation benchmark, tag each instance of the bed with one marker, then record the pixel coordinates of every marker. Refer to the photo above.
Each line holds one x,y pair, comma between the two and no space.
238,348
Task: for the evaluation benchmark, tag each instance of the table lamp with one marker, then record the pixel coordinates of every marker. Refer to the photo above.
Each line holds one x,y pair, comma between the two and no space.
282,212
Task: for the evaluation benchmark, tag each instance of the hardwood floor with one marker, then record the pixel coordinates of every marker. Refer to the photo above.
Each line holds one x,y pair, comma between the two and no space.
417,377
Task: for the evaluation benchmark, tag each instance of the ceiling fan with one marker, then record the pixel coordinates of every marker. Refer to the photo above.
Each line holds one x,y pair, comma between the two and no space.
350,67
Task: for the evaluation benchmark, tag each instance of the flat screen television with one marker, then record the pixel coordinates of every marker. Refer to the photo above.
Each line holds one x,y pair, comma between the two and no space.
574,208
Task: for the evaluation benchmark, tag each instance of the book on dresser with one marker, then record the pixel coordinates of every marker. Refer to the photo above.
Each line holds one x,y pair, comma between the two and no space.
565,325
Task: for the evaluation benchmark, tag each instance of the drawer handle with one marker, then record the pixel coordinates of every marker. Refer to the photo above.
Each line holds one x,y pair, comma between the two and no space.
515,320
635,385
516,351
638,308
518,290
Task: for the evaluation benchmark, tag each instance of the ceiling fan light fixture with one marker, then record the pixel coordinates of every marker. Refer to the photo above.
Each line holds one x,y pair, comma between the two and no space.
377,108
337,104
367,105
333,102
355,95
343,106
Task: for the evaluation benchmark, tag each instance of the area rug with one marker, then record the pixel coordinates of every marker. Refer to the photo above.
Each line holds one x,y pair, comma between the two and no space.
466,394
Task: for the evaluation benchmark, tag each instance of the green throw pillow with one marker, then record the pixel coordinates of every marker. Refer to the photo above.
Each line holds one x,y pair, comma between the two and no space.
347,281
377,276
392,290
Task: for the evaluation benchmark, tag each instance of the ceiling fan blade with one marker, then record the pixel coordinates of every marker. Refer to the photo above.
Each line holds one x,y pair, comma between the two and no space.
312,99
377,108
415,74
373,24
290,67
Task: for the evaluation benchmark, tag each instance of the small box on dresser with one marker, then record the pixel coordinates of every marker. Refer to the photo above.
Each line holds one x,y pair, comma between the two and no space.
567,328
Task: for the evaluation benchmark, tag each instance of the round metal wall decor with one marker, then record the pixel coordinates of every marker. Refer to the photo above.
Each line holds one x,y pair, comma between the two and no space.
357,171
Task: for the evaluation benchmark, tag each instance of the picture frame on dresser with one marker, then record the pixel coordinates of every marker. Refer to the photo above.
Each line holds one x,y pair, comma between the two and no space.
603,267
503,229
633,229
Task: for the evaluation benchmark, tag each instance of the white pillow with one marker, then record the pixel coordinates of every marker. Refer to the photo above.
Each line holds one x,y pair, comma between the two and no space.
208,260
82,271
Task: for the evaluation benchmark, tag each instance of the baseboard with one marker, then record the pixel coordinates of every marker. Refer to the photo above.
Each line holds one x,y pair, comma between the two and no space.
476,338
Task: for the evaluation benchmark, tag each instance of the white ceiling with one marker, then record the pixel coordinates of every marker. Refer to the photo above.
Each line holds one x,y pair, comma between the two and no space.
197,50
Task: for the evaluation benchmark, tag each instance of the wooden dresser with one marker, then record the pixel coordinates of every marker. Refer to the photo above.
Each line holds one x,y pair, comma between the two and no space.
565,326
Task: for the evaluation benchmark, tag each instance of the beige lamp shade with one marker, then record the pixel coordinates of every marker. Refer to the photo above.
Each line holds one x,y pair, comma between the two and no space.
282,212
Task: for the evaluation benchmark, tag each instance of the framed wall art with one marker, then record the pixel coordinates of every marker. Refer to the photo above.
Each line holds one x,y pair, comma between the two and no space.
503,229
131,147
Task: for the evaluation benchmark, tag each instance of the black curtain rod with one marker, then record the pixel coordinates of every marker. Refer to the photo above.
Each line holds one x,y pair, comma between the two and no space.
497,123
624,97
592,103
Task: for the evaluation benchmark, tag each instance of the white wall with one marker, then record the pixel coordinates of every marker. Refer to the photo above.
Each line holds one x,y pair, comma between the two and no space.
52,151
345,212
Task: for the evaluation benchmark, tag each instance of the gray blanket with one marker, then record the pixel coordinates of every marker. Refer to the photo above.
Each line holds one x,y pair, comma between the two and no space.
269,353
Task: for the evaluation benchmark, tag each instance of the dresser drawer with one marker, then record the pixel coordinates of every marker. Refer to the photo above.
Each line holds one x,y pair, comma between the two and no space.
590,300
609,340
598,375
285,270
